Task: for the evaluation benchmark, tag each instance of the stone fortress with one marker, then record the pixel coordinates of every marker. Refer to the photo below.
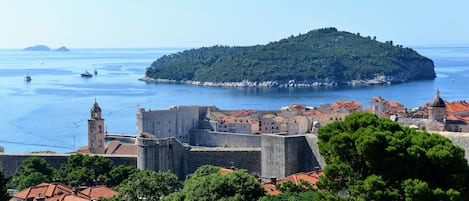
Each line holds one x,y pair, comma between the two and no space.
185,137
270,144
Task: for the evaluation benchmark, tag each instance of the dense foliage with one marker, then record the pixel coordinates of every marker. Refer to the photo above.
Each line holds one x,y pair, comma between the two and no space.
33,171
85,170
147,185
78,170
3,186
320,55
206,184
303,191
371,158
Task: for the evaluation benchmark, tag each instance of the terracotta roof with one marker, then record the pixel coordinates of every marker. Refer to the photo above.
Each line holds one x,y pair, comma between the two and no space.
394,104
311,177
457,106
270,188
97,192
117,148
82,150
349,105
45,190
69,197
225,171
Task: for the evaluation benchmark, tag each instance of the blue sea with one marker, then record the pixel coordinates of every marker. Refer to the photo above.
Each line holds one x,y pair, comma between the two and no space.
51,111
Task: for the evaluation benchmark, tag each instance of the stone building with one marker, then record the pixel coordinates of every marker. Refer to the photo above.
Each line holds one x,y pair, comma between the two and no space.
96,144
175,122
264,155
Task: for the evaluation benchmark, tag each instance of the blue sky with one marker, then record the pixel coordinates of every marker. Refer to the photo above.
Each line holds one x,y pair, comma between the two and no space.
184,23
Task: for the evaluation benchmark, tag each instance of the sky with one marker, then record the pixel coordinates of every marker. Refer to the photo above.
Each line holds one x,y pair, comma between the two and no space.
197,23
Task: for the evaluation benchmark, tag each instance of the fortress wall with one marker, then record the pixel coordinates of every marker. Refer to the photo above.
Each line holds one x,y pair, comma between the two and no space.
313,148
224,139
11,162
249,159
295,152
273,156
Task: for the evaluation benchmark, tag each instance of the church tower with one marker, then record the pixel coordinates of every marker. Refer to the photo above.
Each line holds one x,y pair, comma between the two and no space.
437,108
96,130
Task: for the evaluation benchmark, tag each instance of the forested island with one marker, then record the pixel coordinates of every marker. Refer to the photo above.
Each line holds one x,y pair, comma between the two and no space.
322,57
45,48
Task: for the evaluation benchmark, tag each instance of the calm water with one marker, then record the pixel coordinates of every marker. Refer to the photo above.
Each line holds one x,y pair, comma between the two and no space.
50,112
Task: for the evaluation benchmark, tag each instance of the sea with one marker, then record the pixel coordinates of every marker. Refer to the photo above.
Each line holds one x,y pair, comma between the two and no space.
50,112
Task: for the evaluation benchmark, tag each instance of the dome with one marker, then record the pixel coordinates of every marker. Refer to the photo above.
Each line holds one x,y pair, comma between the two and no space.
437,101
95,107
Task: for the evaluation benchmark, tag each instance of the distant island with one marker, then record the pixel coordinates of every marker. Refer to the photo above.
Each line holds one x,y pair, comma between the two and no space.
62,49
45,48
322,57
37,48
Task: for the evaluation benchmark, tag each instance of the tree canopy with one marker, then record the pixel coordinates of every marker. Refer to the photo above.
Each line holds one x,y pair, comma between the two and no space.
147,185
33,171
3,186
85,170
323,55
373,158
207,183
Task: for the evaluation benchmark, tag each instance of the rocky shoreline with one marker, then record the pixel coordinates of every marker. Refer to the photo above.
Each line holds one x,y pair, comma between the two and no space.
378,80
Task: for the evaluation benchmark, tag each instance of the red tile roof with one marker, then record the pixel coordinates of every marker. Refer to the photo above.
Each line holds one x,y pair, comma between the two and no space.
118,148
61,192
97,192
394,104
310,177
44,190
457,106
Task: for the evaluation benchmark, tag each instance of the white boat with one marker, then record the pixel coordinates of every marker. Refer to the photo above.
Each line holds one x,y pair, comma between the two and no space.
86,74
27,77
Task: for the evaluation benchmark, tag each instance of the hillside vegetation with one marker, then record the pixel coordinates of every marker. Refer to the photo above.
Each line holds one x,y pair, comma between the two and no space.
324,56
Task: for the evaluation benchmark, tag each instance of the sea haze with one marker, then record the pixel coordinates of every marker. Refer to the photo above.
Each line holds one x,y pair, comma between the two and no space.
51,111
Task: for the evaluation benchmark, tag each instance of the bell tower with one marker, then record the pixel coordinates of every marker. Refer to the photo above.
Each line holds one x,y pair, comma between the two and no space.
96,130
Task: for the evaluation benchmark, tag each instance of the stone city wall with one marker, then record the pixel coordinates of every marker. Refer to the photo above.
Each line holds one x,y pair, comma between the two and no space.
224,139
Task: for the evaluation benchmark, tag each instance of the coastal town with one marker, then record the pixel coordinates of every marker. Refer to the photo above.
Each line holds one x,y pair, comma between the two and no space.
273,145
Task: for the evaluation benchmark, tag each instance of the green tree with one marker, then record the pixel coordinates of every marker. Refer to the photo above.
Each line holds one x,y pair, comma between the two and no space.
376,159
119,174
148,185
208,184
33,171
3,186
85,170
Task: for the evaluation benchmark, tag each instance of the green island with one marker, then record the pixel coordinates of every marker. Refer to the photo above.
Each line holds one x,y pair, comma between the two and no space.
322,57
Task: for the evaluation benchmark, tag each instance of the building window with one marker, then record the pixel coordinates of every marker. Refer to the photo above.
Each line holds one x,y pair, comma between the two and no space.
169,130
